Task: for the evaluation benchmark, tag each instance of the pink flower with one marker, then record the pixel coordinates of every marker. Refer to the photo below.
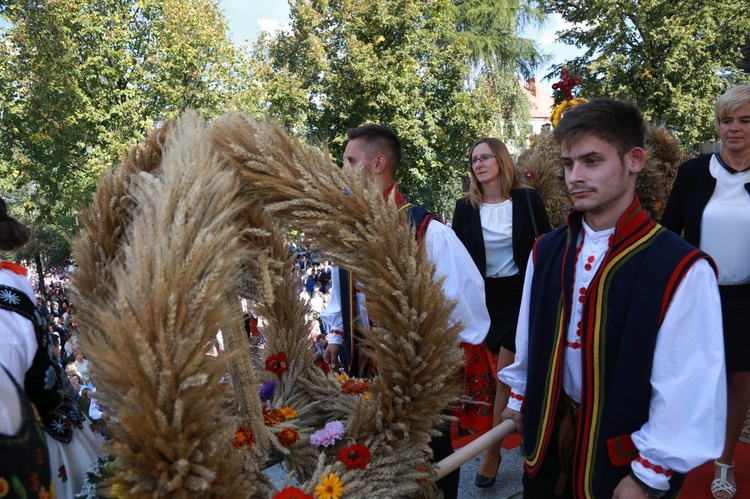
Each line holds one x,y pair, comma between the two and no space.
328,435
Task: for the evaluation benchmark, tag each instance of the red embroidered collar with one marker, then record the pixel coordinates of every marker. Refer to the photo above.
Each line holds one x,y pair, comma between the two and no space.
396,193
15,268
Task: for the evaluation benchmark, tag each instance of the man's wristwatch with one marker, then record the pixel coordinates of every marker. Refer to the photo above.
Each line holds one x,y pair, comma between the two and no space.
647,489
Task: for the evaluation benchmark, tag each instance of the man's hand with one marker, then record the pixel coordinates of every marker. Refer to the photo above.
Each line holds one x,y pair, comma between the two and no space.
628,489
331,356
515,416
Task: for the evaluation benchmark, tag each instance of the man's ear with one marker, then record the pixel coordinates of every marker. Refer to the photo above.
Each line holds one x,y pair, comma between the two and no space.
379,164
637,159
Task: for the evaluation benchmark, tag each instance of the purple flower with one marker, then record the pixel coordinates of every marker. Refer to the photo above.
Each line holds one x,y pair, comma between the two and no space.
328,435
266,391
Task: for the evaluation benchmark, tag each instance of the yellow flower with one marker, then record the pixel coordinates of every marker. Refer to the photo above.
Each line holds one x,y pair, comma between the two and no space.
562,107
341,377
118,490
330,488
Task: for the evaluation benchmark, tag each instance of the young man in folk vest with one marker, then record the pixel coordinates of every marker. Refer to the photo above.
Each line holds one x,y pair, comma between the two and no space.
375,151
618,386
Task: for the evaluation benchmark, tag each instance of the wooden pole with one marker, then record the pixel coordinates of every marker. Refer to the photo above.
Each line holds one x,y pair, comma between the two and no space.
474,448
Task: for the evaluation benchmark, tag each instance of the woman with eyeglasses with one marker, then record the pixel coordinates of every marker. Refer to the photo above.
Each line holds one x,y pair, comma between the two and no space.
498,222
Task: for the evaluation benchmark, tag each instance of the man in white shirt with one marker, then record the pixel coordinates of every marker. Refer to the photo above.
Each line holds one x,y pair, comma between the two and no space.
618,385
375,151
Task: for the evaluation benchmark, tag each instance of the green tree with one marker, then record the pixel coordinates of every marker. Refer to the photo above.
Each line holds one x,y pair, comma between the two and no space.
349,62
673,58
491,30
82,81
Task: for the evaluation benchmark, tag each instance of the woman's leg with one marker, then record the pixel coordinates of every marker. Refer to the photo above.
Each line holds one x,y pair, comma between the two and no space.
489,464
738,400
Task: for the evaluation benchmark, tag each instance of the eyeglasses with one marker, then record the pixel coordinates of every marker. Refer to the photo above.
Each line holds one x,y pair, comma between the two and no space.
483,158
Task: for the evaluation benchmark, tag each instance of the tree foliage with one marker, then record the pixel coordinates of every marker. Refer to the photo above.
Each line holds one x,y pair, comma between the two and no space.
491,30
82,81
344,63
673,58
498,53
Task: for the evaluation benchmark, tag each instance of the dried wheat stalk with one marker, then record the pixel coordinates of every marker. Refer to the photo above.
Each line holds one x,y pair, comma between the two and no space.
410,346
167,253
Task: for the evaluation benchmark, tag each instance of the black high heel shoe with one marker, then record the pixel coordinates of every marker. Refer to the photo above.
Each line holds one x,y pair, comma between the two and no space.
484,482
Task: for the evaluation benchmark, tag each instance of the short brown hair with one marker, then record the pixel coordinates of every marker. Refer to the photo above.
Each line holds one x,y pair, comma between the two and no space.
380,138
618,122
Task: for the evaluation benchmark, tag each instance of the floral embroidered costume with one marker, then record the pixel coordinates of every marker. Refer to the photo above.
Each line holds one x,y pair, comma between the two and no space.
28,355
24,461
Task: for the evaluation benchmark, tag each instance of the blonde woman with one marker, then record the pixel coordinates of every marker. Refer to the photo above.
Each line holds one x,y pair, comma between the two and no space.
710,204
497,221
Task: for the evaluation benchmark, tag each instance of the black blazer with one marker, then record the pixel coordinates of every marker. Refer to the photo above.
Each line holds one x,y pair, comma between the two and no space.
690,194
468,227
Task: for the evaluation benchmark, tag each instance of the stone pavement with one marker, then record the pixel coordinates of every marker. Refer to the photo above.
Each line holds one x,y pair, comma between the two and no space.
508,482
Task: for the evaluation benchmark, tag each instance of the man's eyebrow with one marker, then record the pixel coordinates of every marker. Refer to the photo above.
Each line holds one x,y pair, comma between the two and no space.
583,156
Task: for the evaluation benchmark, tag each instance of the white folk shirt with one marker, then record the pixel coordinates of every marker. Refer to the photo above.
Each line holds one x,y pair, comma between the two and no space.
17,349
687,412
462,283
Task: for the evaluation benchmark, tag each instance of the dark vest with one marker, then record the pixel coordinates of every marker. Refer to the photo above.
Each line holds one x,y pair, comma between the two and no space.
622,313
358,364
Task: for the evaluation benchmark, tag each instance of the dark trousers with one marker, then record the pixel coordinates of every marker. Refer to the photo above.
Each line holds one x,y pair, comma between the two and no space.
441,448
553,478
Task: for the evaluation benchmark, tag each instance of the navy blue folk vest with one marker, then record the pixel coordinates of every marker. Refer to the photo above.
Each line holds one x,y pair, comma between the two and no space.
622,312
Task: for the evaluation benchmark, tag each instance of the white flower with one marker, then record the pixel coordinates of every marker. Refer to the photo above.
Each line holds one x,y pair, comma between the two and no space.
9,296
49,378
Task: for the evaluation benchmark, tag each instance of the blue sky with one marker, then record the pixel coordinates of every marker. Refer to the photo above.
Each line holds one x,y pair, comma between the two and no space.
247,17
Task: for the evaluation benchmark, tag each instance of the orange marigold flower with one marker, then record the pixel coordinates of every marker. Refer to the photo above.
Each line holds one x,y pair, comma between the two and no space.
288,412
355,386
243,437
422,471
273,417
288,437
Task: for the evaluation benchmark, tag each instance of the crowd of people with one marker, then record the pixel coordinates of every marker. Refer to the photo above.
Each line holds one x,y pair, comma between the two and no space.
618,347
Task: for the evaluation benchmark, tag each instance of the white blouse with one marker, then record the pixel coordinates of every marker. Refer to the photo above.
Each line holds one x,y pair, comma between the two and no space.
725,228
497,230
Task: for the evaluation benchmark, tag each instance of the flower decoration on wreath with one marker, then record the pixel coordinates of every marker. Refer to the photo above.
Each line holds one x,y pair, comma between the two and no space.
565,84
564,106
